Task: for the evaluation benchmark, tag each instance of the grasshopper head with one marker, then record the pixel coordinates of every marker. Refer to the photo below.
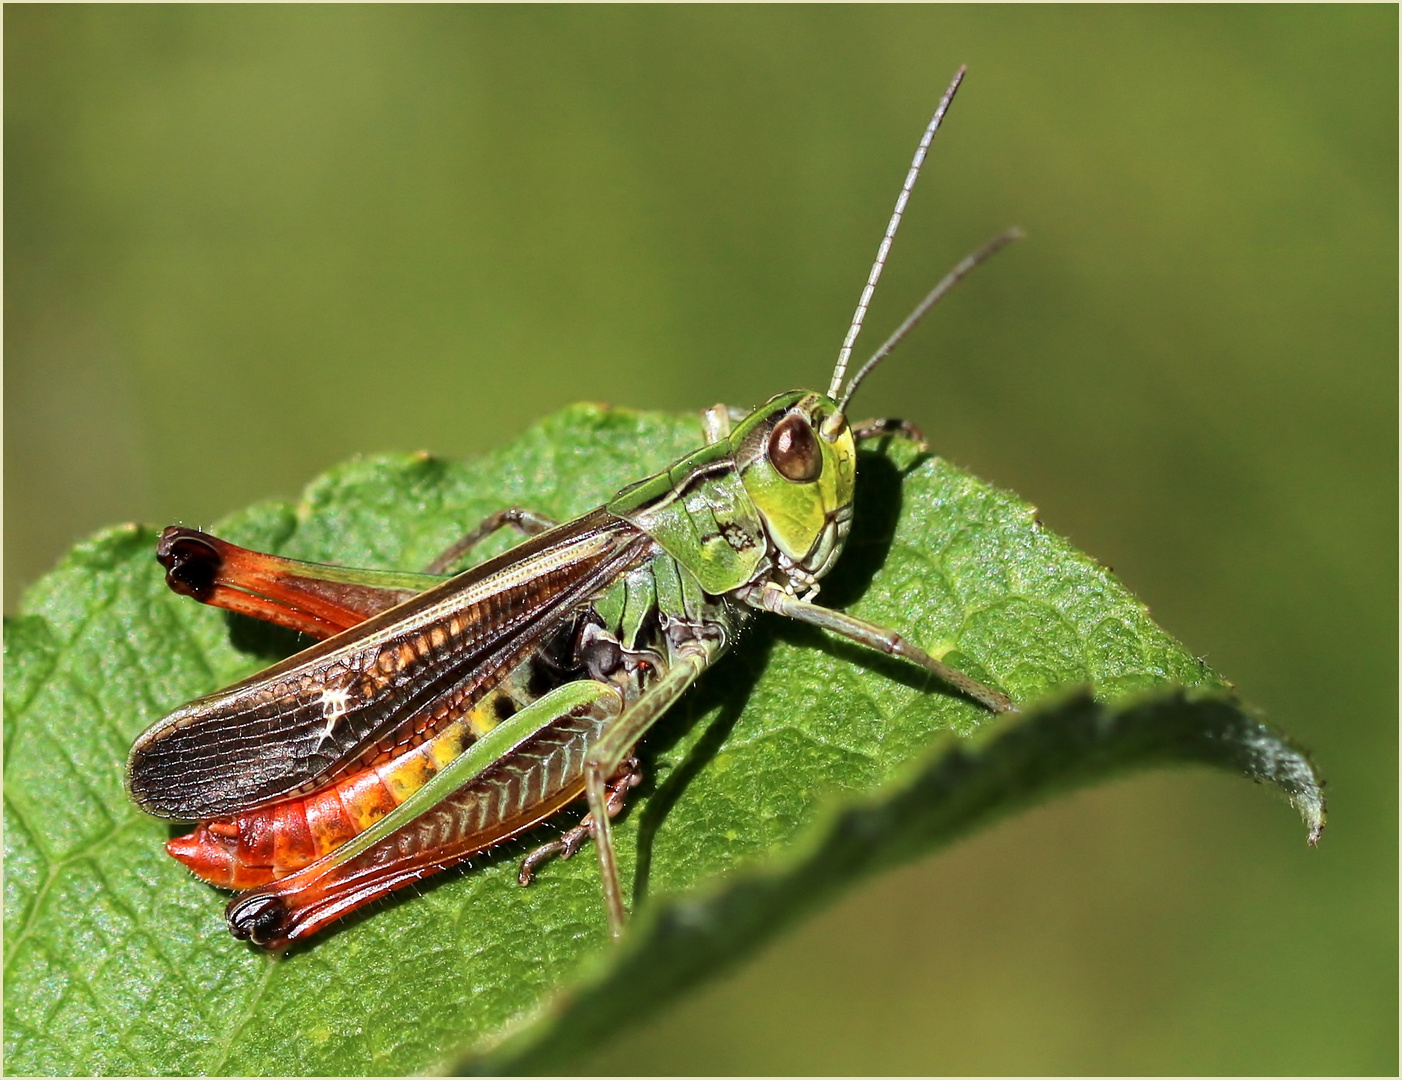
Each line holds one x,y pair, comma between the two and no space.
798,462
796,453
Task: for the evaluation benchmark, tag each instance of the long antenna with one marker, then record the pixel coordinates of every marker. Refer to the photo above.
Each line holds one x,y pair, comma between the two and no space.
937,294
845,353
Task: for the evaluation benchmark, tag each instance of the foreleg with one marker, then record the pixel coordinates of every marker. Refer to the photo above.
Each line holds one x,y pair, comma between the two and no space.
772,598
871,429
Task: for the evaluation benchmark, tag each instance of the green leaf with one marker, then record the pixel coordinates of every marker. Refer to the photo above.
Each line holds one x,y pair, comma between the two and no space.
799,764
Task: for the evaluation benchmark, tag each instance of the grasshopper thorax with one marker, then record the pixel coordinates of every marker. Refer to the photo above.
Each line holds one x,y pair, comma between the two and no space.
772,499
798,462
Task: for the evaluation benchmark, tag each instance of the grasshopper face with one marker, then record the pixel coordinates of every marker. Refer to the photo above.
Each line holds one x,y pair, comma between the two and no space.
798,462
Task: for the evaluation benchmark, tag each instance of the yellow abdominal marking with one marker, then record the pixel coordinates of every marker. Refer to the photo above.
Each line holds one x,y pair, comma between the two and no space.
413,770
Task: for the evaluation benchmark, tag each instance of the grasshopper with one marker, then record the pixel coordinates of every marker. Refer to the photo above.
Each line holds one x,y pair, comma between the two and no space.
442,715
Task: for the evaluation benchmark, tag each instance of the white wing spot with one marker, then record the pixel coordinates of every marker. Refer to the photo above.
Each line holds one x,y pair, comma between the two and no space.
333,707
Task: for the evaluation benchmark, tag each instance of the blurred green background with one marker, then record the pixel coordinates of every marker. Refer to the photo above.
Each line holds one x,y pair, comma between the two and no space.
244,243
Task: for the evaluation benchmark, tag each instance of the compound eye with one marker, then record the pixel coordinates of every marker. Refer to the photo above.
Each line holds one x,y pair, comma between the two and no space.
794,450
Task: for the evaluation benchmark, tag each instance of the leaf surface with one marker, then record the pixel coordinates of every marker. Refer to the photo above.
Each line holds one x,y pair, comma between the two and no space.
799,764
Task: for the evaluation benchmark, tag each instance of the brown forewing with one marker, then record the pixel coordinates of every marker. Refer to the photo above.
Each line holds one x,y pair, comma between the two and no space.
308,720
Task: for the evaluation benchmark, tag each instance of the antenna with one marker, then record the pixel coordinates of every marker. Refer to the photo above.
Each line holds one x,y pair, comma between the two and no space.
845,353
937,294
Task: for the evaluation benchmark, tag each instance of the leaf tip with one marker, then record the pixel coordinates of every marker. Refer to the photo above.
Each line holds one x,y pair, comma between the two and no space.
1313,811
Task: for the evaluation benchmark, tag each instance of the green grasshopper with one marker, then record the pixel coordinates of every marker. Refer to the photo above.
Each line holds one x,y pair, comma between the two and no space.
443,715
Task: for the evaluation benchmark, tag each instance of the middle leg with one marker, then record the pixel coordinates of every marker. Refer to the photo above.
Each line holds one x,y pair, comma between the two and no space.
568,843
528,522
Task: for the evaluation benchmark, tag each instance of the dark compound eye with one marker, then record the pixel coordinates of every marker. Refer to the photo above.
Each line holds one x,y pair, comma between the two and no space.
794,450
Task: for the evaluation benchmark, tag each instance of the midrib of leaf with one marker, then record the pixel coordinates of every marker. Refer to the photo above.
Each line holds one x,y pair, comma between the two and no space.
237,1027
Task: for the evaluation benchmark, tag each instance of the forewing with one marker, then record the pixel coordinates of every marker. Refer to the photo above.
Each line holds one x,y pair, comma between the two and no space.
306,721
